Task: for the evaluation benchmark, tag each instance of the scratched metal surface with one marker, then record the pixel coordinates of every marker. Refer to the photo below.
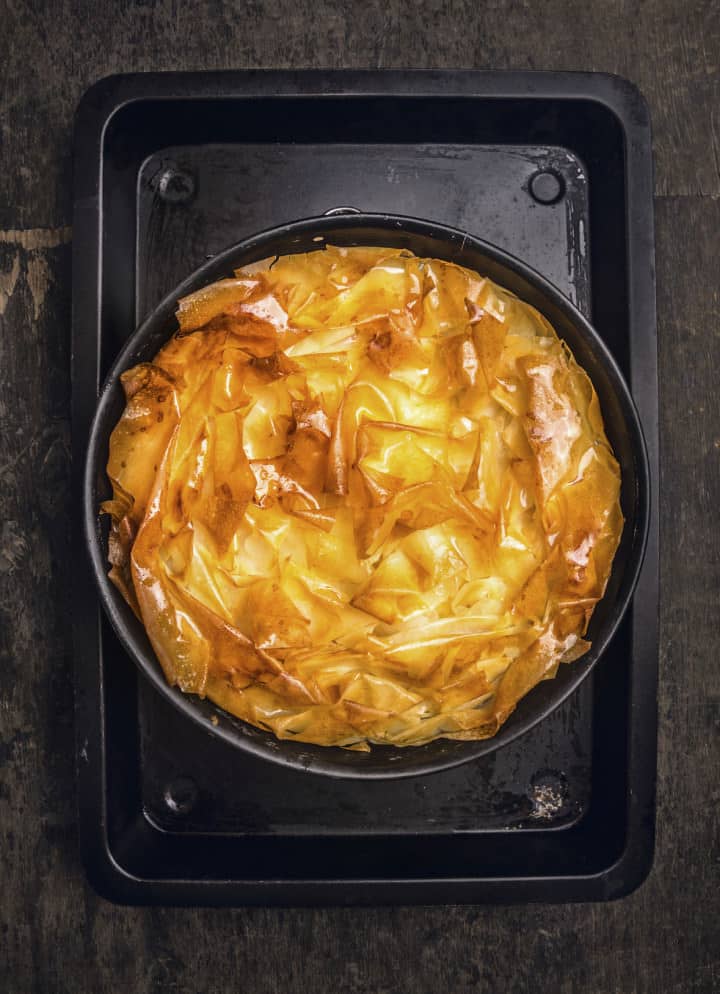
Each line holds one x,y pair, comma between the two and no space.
544,778
246,187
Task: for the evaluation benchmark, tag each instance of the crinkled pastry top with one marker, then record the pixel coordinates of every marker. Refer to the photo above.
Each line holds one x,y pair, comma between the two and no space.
362,497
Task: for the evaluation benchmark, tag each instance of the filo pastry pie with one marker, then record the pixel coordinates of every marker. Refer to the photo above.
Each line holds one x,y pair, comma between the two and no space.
362,497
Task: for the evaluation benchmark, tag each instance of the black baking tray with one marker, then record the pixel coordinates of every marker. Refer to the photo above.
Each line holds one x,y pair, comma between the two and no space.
171,168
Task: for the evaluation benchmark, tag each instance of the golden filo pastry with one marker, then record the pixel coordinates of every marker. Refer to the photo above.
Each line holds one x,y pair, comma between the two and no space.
362,497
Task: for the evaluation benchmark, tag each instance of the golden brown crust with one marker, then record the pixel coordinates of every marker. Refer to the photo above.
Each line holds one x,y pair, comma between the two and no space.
362,497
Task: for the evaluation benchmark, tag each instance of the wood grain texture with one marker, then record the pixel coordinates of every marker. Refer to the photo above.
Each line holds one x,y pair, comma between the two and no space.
55,934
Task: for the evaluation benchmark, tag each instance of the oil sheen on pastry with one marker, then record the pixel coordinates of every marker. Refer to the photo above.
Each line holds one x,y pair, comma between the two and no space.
362,497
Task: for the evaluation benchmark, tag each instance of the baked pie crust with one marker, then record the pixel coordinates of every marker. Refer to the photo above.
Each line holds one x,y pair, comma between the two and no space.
362,497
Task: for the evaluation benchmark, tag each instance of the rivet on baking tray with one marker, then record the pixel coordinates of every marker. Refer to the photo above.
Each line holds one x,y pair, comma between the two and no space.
181,795
176,186
546,186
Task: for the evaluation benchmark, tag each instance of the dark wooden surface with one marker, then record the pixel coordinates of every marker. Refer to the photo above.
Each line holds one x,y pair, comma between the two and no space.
55,934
